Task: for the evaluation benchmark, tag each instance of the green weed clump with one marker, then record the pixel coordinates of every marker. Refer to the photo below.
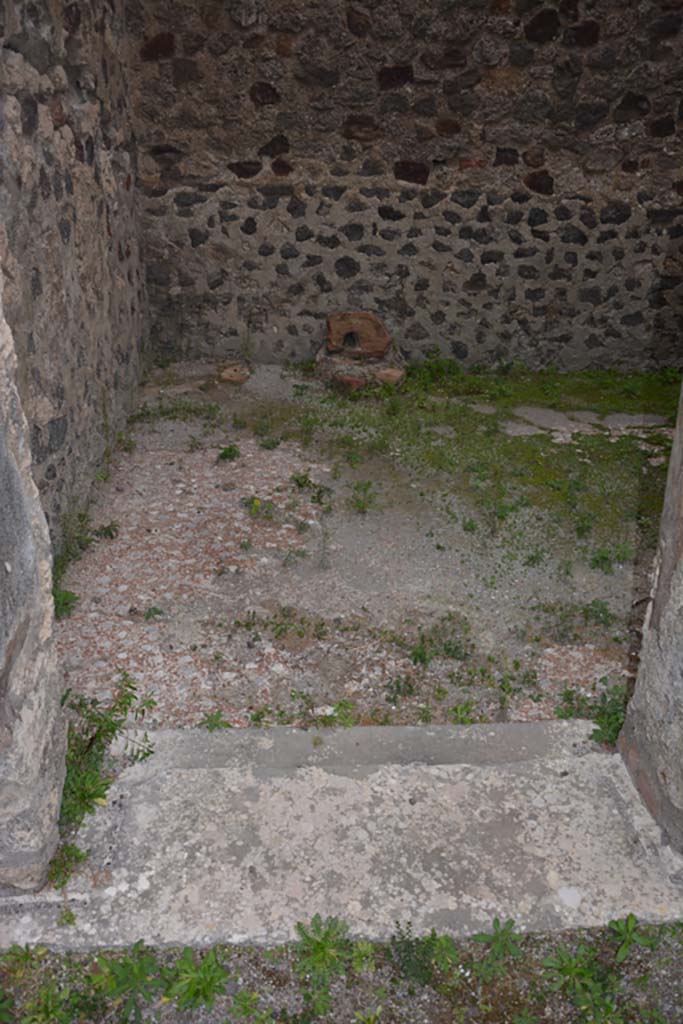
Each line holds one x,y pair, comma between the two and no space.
92,728
322,952
626,973
607,710
182,409
229,453
77,536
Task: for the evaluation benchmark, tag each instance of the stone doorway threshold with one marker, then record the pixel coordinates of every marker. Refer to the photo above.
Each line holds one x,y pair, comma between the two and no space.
234,837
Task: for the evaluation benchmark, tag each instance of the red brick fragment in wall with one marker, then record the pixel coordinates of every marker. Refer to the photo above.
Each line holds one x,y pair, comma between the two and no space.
447,126
361,127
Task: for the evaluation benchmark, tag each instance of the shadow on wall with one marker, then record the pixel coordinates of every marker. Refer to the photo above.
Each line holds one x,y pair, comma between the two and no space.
32,730
652,739
665,301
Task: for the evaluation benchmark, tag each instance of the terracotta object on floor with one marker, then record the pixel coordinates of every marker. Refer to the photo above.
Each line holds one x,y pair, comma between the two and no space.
236,374
360,336
358,353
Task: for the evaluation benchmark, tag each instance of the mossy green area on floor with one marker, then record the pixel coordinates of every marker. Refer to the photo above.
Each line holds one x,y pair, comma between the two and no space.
446,428
599,487
626,973
600,391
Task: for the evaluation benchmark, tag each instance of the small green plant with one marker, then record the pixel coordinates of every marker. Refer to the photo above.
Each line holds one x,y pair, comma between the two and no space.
246,1007
320,494
66,919
597,612
192,984
371,1017
65,601
608,710
229,453
343,714
469,525
108,531
215,721
125,442
245,545
64,863
322,952
153,613
302,481
462,714
130,981
363,497
585,980
92,728
626,932
397,689
420,959
7,1007
363,957
259,716
421,653
502,943
602,560
257,507
182,409
271,443
50,1006
21,959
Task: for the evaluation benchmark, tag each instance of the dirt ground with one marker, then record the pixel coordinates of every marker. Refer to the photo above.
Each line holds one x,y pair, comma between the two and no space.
277,557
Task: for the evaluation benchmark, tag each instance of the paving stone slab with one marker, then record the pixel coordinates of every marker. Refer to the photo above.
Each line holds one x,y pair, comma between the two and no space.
234,838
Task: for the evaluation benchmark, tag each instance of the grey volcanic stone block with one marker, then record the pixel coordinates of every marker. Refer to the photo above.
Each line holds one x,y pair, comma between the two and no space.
652,740
31,724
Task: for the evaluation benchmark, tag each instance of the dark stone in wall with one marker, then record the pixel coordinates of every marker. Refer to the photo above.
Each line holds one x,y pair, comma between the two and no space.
246,168
358,22
540,181
159,47
278,145
411,170
263,94
395,76
506,157
631,107
587,33
662,127
362,127
543,27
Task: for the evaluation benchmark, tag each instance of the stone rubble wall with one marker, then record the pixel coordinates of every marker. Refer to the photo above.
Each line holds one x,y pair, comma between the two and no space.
497,181
32,731
74,292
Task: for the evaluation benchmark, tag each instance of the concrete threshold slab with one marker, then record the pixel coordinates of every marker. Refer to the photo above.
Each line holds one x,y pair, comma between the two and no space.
234,837
360,748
